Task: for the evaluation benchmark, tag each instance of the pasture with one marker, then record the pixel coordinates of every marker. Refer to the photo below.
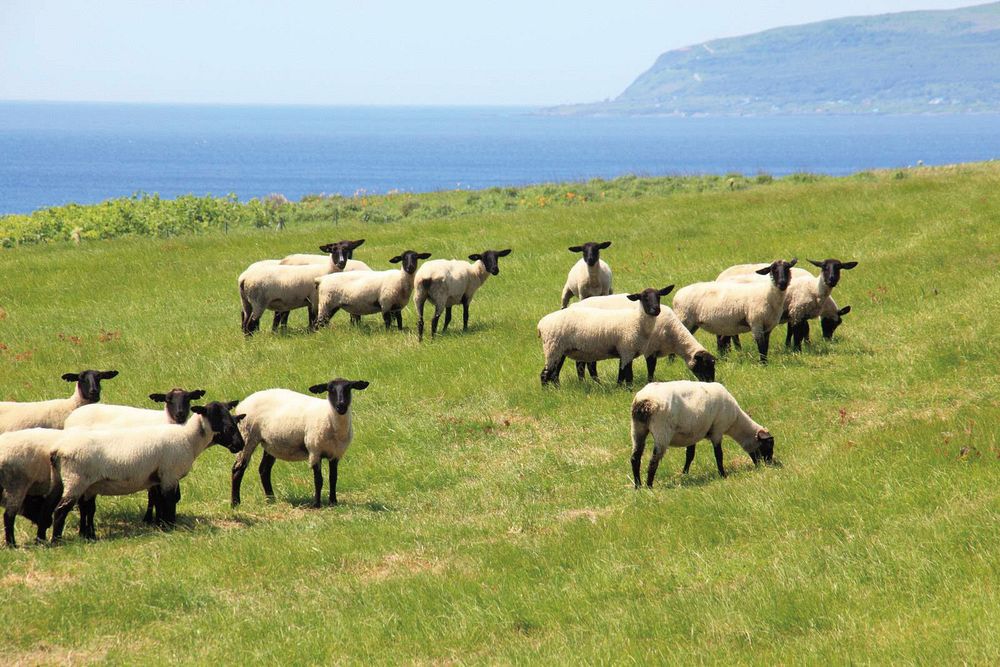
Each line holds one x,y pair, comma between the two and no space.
484,519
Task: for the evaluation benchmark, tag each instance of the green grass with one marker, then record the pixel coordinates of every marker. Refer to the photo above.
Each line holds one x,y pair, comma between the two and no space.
486,520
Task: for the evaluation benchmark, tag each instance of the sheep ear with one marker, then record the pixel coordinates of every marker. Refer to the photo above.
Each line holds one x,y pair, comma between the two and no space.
576,248
318,388
795,260
355,244
107,375
159,398
844,310
847,266
396,260
196,394
70,377
815,263
198,409
423,255
666,290
326,247
766,270
633,297
503,253
238,418
360,384
604,245
232,404
763,434
475,256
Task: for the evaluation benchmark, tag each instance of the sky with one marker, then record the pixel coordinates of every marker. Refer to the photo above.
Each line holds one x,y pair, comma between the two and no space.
378,52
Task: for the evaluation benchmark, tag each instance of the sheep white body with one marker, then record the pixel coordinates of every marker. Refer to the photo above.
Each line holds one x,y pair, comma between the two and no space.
586,281
293,427
364,293
593,334
103,415
445,282
25,470
807,296
15,416
268,285
300,259
730,307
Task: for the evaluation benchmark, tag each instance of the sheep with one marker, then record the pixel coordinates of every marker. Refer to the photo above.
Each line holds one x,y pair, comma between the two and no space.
448,282
366,292
681,413
590,276
729,308
27,485
351,264
294,427
669,338
116,462
52,414
268,285
177,409
592,334
807,297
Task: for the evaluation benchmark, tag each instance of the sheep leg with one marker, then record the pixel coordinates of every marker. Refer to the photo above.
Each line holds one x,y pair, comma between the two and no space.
387,320
688,458
240,467
151,500
276,322
805,331
59,518
763,339
170,500
654,462
333,480
717,446
9,515
399,319
789,333
592,367
88,508
566,296
420,319
356,320
447,319
266,463
625,372
723,343
318,484
465,313
801,332
435,319
650,367
640,431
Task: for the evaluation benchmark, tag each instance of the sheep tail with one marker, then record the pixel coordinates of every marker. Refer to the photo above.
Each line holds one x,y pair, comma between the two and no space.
642,411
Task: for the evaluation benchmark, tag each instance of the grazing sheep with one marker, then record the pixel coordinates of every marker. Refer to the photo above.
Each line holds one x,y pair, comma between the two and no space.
681,413
52,414
592,334
807,297
294,427
117,462
590,276
729,308
177,409
27,485
269,285
449,282
669,338
367,292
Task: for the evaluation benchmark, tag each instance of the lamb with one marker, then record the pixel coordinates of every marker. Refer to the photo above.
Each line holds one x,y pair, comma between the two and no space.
294,427
729,308
448,282
52,414
366,292
27,485
681,413
590,276
807,297
122,461
177,409
268,285
669,338
592,334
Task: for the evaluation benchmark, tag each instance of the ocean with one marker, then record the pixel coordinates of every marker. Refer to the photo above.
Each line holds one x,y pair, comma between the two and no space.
57,153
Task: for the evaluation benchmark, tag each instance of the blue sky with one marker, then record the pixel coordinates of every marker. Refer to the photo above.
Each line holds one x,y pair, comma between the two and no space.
368,51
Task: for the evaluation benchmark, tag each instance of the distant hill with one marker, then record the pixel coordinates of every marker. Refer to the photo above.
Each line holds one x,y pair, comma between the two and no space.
911,62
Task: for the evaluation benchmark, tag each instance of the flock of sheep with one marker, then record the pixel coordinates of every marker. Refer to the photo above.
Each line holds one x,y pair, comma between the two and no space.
62,453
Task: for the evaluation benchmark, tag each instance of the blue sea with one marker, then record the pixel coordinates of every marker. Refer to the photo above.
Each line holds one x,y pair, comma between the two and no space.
53,153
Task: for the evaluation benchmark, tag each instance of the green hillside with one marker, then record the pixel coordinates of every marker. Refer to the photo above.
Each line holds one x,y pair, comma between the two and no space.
486,520
912,62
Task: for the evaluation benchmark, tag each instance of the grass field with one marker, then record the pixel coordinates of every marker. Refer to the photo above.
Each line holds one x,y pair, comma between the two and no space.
483,519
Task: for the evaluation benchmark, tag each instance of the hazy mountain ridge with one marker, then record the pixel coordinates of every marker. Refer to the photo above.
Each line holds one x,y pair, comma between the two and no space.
911,62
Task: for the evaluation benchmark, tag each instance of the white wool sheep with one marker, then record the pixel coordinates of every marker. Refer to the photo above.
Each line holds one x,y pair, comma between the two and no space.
367,292
15,416
590,276
449,282
294,427
669,338
269,285
681,413
27,485
116,462
592,334
729,308
303,259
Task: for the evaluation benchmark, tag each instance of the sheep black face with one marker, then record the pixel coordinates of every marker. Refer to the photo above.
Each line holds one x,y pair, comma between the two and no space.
178,403
339,392
830,324
765,448
409,258
831,268
489,259
649,299
591,251
341,251
89,383
223,424
703,366
780,272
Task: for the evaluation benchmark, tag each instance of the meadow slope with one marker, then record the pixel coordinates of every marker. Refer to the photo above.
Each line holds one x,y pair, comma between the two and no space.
483,519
